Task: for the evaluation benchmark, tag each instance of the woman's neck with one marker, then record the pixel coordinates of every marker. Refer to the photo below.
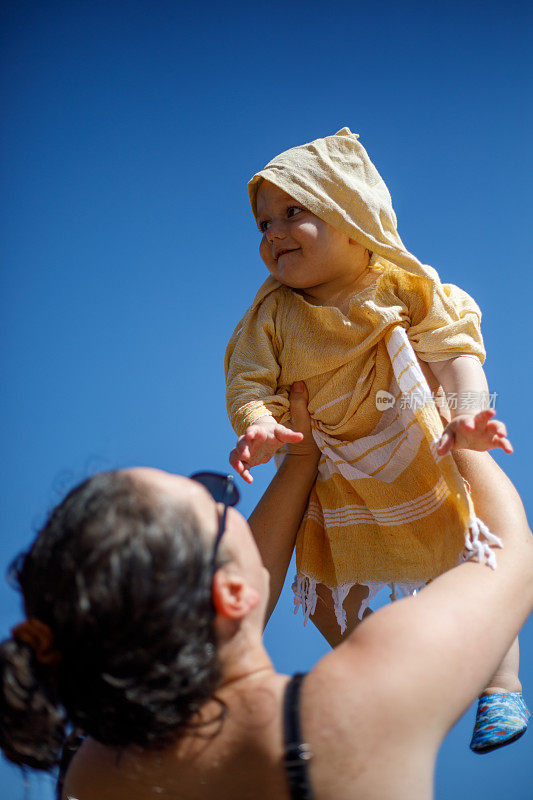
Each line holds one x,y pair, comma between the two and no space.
242,657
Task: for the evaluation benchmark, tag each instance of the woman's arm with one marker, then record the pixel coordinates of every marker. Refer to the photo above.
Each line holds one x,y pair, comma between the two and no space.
430,655
276,519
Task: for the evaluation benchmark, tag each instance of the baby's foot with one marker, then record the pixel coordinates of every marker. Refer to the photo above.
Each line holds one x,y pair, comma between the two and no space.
501,719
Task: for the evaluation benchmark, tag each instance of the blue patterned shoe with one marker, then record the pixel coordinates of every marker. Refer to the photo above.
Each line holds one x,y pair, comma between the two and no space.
501,719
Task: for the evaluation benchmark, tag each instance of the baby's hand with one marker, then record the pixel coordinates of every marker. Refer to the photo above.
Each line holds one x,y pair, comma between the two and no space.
259,443
474,432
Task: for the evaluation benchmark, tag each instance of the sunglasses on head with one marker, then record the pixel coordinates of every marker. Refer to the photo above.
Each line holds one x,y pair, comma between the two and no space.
223,490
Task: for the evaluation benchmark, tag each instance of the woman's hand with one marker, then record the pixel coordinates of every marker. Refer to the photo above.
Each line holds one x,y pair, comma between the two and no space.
474,432
301,421
278,515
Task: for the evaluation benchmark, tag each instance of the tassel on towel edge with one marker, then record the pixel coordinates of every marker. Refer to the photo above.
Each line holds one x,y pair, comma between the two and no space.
306,596
480,551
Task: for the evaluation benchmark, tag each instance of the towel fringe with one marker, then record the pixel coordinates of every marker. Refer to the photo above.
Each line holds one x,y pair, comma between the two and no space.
373,588
305,595
478,550
339,595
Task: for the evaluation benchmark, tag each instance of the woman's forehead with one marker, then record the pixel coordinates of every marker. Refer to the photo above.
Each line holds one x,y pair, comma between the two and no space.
176,486
186,492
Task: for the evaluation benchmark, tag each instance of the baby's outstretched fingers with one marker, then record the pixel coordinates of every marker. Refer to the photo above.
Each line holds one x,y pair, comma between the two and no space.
493,430
257,445
286,435
483,418
239,466
243,450
247,476
503,443
496,427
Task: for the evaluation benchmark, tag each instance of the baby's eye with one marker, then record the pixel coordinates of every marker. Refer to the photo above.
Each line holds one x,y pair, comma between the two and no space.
263,226
292,210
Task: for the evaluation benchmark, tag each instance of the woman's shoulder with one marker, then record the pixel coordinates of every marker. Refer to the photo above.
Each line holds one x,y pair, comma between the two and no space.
352,727
89,771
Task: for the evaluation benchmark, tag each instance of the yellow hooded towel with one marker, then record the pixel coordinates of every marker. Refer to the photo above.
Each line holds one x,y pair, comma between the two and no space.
385,509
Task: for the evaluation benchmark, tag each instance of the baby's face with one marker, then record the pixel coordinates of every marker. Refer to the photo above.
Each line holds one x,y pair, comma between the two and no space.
299,249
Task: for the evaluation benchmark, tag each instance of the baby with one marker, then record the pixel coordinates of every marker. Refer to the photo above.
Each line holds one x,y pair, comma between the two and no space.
377,338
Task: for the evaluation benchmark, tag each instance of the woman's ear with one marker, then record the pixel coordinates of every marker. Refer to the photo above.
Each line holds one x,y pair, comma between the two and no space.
232,597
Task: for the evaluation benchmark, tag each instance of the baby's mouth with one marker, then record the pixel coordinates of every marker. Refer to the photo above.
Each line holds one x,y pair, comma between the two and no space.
282,252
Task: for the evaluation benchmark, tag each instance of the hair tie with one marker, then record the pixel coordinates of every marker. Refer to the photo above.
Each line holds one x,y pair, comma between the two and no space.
40,638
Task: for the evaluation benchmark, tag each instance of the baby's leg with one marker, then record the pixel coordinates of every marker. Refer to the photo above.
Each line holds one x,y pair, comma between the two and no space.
506,676
324,617
468,463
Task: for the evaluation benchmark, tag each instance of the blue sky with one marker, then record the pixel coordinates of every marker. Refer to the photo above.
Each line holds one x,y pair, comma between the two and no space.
129,251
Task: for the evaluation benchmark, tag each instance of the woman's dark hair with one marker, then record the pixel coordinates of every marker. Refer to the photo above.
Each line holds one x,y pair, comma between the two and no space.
123,580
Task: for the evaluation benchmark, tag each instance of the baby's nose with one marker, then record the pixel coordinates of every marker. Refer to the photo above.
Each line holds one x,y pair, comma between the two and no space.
275,231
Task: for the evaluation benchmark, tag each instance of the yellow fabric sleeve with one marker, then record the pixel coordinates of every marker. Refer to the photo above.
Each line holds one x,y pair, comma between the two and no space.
445,320
252,369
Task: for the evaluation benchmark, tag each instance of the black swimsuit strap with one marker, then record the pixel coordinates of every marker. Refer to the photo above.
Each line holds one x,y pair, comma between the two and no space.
71,746
297,753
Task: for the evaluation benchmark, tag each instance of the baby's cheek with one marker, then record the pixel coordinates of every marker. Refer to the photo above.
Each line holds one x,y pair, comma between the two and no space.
266,254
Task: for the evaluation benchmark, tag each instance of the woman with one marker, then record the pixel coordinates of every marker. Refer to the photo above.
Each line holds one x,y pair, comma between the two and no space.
146,601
